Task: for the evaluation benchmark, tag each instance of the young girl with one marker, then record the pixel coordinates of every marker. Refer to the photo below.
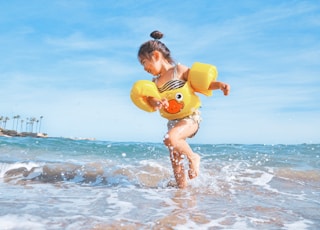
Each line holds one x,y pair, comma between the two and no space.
156,60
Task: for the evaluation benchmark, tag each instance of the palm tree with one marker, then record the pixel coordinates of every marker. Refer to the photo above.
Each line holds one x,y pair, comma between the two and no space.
32,120
37,125
27,123
5,122
40,123
1,119
21,127
14,118
17,117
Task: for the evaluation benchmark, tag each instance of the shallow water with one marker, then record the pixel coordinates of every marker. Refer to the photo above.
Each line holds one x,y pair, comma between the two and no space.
59,183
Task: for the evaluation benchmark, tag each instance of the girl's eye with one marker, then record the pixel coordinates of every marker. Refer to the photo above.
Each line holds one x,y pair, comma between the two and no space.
143,61
179,97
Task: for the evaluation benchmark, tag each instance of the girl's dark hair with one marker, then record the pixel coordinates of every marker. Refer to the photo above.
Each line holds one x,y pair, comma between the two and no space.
148,47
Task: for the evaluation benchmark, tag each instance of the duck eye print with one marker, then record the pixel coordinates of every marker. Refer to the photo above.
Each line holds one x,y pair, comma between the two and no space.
179,97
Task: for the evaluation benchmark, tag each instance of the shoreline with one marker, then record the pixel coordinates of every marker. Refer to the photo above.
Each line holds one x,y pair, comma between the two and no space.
13,133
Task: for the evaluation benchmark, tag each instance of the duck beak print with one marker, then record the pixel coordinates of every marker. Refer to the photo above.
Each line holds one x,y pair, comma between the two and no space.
174,106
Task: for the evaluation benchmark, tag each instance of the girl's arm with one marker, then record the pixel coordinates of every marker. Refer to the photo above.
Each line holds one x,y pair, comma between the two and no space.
156,103
220,85
213,86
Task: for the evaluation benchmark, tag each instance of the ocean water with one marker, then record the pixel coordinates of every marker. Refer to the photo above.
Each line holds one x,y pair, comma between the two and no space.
59,183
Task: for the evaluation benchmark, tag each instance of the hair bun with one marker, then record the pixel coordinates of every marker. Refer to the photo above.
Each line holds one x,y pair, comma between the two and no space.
156,34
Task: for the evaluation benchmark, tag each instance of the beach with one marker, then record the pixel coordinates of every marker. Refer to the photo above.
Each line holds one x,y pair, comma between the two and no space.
60,183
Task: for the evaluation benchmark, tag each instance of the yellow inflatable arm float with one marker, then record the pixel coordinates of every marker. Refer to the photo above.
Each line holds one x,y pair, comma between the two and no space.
200,77
140,91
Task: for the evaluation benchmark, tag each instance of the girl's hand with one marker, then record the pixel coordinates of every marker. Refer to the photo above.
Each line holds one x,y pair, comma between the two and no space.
158,104
225,88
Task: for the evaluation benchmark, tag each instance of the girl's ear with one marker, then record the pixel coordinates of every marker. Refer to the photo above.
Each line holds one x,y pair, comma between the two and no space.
156,55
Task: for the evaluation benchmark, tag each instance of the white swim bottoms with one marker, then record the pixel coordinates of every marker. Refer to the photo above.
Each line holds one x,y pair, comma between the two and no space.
194,117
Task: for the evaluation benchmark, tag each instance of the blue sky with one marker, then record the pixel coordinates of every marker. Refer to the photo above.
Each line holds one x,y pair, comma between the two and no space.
74,62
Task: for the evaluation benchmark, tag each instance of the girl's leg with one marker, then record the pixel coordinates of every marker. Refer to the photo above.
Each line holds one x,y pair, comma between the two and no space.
175,140
178,169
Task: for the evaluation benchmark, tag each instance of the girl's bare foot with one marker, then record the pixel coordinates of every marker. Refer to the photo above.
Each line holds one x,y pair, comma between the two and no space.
194,166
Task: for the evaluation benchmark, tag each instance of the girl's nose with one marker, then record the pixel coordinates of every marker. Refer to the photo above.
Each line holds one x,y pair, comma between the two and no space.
146,69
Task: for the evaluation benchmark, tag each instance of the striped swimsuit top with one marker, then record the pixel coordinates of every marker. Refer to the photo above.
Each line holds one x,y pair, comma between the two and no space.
174,83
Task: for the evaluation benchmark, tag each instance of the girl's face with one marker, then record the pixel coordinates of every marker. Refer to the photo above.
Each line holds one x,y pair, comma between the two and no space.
151,65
